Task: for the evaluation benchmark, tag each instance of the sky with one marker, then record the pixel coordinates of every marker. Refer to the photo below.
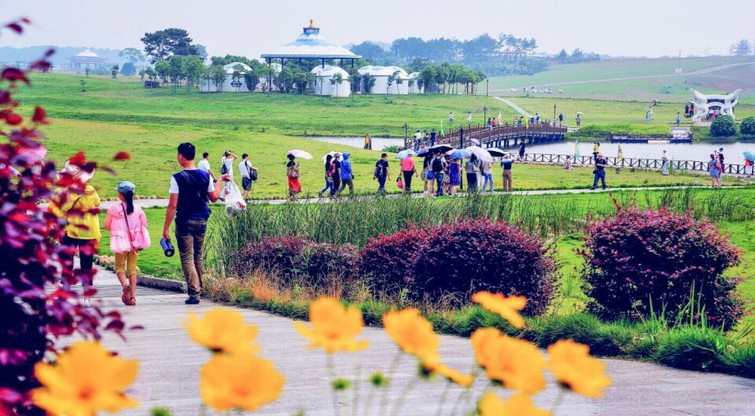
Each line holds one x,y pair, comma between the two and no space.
650,28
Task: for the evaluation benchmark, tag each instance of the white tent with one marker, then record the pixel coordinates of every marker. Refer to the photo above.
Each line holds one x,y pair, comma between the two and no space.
325,81
400,84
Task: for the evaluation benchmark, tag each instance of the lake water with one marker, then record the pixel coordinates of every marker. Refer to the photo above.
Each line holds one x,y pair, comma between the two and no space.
681,151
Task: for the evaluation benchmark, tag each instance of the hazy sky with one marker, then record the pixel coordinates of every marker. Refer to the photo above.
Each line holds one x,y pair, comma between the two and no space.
616,27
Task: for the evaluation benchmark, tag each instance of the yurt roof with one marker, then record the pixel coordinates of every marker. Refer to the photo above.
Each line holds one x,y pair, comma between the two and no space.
230,67
383,71
329,71
310,45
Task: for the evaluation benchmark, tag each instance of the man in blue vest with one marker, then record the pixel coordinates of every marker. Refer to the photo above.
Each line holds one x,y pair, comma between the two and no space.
190,191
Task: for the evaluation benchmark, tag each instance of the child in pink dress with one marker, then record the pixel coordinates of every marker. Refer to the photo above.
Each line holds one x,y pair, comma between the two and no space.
127,224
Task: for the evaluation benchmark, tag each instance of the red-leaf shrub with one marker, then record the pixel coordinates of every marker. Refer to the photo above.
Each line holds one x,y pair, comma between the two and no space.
293,257
325,261
38,304
473,255
638,257
387,262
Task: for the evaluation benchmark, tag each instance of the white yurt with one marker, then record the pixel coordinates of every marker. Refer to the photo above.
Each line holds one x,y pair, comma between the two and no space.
413,84
230,84
325,81
400,84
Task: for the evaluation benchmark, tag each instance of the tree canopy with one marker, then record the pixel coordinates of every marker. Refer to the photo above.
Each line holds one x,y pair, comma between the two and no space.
163,44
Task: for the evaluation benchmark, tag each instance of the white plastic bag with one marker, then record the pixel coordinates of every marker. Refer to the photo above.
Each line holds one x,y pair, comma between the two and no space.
234,202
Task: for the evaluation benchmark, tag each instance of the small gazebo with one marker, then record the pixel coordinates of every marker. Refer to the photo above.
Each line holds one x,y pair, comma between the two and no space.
310,46
86,59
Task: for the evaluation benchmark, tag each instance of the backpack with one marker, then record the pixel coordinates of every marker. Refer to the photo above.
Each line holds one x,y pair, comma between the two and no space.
379,170
224,168
252,172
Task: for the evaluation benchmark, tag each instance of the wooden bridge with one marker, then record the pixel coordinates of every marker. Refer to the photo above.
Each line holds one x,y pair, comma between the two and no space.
503,137
633,163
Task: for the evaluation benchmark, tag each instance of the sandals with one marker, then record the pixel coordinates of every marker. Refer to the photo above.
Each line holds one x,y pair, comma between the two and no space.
127,298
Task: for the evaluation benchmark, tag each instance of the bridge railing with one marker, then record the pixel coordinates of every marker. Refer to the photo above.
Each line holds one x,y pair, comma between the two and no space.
637,163
485,134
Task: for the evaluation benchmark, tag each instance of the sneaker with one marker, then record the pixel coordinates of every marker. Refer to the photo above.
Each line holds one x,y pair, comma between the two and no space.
132,301
192,301
126,295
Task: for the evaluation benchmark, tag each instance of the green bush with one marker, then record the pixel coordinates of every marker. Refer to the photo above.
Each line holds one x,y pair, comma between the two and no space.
723,126
748,126
692,348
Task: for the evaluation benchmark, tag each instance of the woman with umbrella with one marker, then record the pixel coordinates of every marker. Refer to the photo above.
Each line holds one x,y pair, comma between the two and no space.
409,169
328,179
472,168
292,172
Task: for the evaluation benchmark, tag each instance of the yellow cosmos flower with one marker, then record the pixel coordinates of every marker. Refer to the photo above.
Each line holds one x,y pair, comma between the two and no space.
480,340
334,326
516,363
412,333
507,307
239,381
222,330
454,376
519,405
573,367
85,379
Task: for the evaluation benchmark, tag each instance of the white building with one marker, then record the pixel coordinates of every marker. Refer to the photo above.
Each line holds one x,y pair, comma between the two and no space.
718,104
382,74
230,84
325,81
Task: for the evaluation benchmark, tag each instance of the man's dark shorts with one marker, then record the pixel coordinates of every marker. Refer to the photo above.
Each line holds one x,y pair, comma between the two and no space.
246,183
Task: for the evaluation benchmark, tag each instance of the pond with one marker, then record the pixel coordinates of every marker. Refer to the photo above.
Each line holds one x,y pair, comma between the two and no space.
680,151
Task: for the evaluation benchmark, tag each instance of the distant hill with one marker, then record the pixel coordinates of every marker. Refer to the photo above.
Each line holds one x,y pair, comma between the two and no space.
62,53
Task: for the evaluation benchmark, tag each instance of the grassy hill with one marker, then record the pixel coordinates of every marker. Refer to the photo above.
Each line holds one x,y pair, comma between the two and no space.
647,79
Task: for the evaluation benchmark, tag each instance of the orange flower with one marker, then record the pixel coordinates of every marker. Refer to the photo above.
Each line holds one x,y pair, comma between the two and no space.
239,381
222,330
413,334
334,326
85,379
574,369
454,376
507,307
480,339
516,363
519,405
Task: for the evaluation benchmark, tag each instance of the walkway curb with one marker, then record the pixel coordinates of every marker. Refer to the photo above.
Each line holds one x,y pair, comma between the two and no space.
162,284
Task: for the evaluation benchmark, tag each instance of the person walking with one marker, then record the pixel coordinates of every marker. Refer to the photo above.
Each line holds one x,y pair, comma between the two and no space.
129,235
471,169
82,230
487,174
335,174
439,173
427,175
433,137
347,175
451,117
204,165
454,173
599,172
714,170
190,191
226,168
292,173
579,120
560,119
328,178
409,169
417,140
522,150
678,118
248,174
508,181
664,164
382,173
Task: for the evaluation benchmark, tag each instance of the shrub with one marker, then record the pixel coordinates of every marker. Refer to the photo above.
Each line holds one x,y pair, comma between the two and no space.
723,126
282,255
473,255
748,126
638,261
692,348
387,262
325,261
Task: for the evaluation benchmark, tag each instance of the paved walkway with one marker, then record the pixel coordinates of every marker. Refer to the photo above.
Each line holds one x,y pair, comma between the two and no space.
513,105
170,362
147,203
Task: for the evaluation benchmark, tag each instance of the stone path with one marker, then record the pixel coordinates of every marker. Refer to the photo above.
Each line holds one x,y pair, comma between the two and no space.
513,105
170,362
161,202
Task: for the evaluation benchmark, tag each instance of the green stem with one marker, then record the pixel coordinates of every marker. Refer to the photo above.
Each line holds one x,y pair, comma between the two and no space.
355,403
332,373
409,387
389,378
559,399
443,398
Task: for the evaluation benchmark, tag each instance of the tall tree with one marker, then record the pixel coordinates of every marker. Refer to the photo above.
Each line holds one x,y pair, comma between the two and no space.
176,70
132,54
741,48
163,44
369,51
193,70
218,75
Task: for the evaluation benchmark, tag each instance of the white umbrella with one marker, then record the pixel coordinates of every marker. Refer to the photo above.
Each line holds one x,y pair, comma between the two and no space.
579,113
325,156
301,154
475,142
404,153
481,153
495,152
